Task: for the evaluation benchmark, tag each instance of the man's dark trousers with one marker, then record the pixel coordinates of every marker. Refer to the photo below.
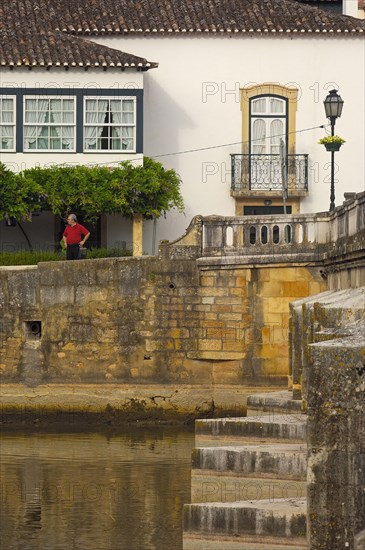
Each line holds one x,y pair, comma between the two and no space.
72,251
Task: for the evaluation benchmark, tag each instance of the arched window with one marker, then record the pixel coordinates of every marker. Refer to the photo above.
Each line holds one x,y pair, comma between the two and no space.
262,101
268,124
268,136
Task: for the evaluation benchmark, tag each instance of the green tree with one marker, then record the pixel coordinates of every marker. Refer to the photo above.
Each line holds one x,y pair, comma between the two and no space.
141,192
19,195
149,189
146,189
85,189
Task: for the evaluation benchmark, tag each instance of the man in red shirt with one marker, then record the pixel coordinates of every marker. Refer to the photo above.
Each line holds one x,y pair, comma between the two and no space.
72,237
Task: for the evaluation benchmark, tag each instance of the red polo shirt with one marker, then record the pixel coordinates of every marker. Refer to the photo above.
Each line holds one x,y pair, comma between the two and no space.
74,233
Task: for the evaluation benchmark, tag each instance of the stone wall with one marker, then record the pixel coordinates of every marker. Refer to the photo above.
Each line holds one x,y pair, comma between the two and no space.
316,319
148,321
212,310
328,365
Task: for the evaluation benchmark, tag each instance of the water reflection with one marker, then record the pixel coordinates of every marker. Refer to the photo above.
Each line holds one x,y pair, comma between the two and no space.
95,491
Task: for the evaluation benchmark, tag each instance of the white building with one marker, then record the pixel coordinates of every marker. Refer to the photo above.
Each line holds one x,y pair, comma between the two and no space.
233,80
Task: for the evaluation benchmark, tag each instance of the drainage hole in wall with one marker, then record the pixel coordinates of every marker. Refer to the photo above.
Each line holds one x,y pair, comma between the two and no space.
361,370
33,330
172,286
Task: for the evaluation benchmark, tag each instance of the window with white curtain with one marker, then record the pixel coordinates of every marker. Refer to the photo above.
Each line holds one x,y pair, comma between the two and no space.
110,124
49,123
268,125
7,123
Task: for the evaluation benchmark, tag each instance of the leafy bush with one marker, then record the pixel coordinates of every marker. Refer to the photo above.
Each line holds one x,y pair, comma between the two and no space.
19,195
24,257
128,189
33,258
94,253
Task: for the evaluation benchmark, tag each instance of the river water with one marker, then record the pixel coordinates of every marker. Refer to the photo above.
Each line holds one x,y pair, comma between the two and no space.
120,490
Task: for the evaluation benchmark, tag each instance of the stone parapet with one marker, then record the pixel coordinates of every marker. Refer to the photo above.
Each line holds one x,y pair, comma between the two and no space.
334,241
327,316
328,366
336,442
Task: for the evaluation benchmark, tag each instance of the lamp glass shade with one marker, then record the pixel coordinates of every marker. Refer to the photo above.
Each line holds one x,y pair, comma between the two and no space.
333,105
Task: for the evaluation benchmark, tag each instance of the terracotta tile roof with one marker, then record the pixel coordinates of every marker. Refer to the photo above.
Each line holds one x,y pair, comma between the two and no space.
42,32
28,37
208,16
322,1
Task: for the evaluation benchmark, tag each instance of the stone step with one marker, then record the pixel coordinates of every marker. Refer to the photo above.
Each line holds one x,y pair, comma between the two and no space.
227,488
195,542
249,430
280,519
285,461
255,472
272,404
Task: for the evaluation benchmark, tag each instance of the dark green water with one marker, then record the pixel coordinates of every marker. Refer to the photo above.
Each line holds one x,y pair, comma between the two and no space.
97,491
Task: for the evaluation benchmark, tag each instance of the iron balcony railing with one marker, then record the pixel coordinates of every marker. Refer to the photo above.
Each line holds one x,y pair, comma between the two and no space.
267,172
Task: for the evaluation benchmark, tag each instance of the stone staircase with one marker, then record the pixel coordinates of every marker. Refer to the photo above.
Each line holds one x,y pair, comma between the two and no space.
249,479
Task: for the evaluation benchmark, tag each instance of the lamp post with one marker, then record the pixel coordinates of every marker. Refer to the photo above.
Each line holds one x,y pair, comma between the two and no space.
333,106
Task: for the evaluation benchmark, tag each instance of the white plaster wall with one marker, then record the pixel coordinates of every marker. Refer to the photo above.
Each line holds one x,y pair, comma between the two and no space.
192,102
351,7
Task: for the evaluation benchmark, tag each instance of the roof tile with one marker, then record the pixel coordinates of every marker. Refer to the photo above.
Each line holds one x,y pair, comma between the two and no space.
36,32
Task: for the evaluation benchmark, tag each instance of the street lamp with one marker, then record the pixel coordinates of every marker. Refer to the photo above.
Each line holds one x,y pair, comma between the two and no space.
333,107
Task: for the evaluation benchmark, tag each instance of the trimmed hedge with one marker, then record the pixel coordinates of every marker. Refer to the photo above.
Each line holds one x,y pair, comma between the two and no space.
33,258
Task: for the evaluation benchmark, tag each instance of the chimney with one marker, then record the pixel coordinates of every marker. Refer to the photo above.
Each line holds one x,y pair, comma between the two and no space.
350,7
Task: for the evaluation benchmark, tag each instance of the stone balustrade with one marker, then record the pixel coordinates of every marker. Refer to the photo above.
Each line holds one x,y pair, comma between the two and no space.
273,238
278,234
252,235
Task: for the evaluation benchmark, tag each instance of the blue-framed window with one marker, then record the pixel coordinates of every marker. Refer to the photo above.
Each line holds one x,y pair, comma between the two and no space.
45,120
7,123
49,123
109,124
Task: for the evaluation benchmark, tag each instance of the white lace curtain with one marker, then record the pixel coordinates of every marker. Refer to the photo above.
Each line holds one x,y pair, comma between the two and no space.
260,143
96,110
7,127
276,133
41,114
59,114
121,115
277,106
258,137
36,112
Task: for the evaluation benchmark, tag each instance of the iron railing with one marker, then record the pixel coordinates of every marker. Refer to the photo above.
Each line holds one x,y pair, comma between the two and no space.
266,172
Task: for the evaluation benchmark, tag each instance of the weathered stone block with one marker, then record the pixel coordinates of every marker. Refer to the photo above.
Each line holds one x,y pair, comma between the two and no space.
206,280
213,345
227,372
277,305
271,288
50,296
233,345
295,288
336,441
359,542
